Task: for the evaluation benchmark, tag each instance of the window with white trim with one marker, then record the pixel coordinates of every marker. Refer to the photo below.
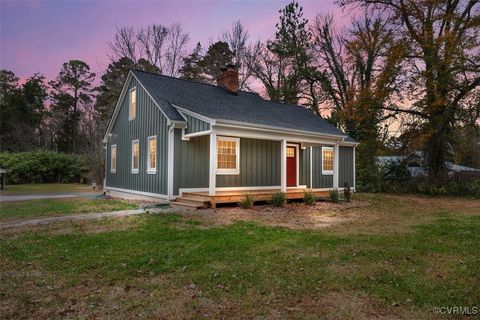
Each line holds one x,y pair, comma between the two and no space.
132,107
327,160
152,154
113,158
228,155
135,156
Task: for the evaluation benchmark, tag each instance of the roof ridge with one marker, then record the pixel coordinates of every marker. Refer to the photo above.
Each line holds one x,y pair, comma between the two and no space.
194,81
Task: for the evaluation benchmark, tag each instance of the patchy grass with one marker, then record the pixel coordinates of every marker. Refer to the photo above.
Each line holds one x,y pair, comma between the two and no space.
45,188
17,210
179,266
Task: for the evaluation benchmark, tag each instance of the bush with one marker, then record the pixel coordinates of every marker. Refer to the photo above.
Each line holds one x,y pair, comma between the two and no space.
247,202
334,197
474,188
309,197
347,193
278,199
43,167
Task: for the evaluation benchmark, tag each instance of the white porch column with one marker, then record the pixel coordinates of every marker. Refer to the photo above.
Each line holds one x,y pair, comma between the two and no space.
354,149
213,164
311,168
170,160
336,165
283,165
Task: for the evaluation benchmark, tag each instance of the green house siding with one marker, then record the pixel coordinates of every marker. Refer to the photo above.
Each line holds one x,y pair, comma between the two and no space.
191,162
149,121
195,125
304,164
345,174
259,165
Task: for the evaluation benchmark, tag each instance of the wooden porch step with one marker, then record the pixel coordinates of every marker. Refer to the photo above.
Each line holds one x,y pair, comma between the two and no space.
198,197
191,202
186,205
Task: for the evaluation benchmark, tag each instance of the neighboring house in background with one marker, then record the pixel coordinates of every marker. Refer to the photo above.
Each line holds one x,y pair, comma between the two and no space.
169,136
415,162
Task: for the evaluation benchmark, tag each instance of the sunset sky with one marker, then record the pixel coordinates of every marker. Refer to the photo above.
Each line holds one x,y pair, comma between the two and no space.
38,36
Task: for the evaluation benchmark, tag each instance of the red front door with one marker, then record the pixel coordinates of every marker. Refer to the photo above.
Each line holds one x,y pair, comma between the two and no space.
291,167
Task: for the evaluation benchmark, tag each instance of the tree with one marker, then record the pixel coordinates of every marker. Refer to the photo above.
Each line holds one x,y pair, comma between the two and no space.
71,93
22,111
160,46
191,69
237,39
444,59
217,56
112,84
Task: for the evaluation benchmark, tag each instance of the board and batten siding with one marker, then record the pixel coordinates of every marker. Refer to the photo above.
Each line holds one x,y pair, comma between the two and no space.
259,165
195,125
345,175
149,121
190,162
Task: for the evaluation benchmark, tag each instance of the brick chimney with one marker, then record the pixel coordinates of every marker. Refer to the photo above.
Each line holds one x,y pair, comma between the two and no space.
228,79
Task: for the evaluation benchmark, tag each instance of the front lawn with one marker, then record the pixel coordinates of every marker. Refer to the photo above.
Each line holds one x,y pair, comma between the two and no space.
52,207
45,188
399,258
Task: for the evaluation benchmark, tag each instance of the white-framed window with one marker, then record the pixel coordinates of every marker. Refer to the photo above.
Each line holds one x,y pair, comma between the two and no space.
327,160
135,156
228,155
152,154
132,105
113,158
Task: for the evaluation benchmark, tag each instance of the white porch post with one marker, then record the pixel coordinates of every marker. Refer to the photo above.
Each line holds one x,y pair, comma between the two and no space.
354,168
283,165
336,165
213,164
170,160
311,168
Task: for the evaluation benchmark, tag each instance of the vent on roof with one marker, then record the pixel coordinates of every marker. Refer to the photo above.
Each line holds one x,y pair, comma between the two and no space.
228,79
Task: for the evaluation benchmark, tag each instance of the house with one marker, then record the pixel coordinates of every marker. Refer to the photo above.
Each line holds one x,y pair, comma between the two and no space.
170,139
415,162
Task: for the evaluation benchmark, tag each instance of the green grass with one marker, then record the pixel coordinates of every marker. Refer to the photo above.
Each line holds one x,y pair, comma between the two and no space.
52,207
39,188
255,269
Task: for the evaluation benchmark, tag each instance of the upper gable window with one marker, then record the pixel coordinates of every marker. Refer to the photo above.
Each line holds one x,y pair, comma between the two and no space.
132,107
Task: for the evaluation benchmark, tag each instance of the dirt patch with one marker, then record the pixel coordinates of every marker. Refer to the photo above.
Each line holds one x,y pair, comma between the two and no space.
292,215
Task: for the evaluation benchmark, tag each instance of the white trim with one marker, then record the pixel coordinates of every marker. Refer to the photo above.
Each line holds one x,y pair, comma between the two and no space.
112,170
142,193
130,117
135,170
170,160
195,134
187,190
283,165
354,181
328,172
297,156
311,167
242,124
193,114
212,181
151,170
336,165
235,171
258,133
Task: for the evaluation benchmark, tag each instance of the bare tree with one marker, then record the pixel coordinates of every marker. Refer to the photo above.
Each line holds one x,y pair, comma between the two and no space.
152,44
237,39
177,40
125,44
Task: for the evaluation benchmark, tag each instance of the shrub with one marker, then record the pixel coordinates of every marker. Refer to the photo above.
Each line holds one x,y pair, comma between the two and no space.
474,188
247,202
347,193
334,197
43,167
309,197
278,199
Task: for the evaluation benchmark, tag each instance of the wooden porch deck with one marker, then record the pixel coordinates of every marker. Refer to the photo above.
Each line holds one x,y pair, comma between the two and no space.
196,200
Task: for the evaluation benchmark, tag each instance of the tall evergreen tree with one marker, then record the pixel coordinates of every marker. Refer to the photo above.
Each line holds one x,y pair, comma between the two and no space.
217,56
191,69
70,93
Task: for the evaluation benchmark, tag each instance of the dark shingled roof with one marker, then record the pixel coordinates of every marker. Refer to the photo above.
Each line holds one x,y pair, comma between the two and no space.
216,103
